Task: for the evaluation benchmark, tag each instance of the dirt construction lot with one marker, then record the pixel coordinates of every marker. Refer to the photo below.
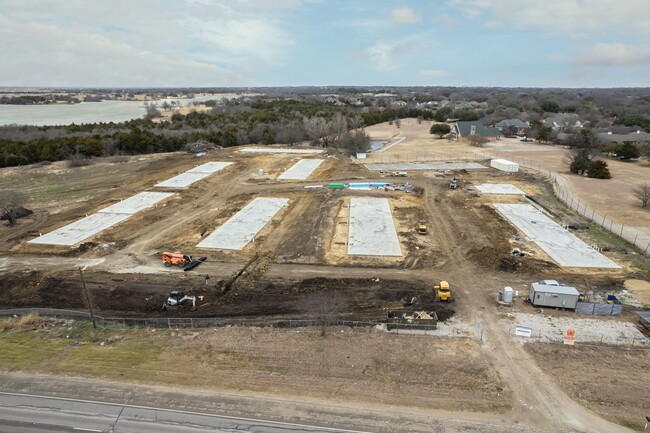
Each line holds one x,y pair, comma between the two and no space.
300,258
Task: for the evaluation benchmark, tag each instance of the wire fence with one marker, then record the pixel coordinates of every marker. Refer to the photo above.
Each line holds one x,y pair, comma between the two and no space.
637,236
594,339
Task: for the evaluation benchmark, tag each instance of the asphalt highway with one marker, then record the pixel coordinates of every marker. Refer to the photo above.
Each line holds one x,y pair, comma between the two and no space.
21,413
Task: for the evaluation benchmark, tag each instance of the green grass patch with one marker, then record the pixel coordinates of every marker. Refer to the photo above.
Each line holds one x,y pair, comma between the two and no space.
27,350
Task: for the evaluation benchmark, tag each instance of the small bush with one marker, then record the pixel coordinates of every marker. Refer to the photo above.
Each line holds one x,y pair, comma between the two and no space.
117,159
79,161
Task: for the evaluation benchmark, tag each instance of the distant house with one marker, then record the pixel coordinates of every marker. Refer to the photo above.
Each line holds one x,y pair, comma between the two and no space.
522,127
564,122
634,137
463,130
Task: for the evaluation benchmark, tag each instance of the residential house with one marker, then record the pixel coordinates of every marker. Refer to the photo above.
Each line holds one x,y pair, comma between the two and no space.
463,130
564,122
634,137
522,127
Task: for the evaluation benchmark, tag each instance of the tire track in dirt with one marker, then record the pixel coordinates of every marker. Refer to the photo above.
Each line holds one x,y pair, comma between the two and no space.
536,399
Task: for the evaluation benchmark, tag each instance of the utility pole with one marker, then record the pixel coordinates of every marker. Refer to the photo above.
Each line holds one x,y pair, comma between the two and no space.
90,305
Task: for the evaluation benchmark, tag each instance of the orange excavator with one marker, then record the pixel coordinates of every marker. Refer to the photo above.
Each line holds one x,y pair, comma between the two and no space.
176,259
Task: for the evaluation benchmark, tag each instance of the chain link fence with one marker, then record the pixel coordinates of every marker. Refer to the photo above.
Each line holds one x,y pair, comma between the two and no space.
596,340
634,235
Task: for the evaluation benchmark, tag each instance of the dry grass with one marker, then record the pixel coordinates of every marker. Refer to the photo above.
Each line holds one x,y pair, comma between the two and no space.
363,365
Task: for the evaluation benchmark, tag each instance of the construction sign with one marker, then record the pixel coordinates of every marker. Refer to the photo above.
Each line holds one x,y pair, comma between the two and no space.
570,336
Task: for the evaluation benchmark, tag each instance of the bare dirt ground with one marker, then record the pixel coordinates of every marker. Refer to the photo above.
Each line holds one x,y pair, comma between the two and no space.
299,255
605,379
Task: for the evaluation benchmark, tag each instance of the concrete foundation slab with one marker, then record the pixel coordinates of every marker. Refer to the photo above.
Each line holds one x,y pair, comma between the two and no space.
278,150
301,170
499,188
137,203
195,174
423,166
239,230
372,230
563,247
81,229
210,167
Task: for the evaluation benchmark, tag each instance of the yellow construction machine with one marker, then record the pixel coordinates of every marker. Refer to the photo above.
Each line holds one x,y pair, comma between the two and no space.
442,291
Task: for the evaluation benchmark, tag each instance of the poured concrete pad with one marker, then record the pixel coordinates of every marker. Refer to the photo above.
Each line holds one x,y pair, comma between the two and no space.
137,203
81,229
209,167
301,170
244,225
279,150
194,175
432,166
563,247
372,230
501,188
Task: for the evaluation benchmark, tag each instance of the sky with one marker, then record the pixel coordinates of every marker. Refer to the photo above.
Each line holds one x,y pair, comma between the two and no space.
242,43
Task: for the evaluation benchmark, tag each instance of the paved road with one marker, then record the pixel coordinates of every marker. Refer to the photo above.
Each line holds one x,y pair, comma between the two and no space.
20,413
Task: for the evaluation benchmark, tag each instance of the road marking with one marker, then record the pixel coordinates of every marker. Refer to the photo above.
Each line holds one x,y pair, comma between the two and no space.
86,429
185,412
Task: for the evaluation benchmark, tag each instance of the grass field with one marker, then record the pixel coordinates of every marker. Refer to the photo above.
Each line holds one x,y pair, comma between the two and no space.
365,364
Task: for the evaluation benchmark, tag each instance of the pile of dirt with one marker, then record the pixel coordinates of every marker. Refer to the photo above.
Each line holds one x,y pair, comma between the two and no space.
489,258
19,212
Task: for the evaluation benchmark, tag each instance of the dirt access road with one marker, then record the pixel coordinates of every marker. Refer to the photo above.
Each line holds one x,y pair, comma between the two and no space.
469,245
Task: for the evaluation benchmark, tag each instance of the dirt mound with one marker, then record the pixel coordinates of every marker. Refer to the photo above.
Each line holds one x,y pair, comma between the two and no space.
489,258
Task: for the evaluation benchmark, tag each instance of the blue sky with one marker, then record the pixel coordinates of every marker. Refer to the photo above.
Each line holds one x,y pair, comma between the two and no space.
147,43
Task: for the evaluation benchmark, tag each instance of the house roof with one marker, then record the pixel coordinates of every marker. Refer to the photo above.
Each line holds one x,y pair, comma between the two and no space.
465,129
565,119
517,123
619,138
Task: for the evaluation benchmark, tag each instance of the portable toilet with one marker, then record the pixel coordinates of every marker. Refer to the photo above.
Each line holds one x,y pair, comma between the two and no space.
260,172
507,295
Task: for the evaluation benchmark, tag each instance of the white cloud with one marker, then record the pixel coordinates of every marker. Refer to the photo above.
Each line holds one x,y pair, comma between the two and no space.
143,43
384,55
576,18
614,54
404,15
433,73
47,55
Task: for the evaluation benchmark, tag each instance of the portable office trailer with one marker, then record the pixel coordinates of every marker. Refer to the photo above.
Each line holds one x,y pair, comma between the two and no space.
504,165
553,295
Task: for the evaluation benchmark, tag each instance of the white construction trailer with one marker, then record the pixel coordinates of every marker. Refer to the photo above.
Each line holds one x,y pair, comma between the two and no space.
550,293
504,165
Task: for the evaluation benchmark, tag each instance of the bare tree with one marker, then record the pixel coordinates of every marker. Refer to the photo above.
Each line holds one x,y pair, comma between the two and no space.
477,140
315,128
152,110
642,192
323,307
398,123
335,128
10,200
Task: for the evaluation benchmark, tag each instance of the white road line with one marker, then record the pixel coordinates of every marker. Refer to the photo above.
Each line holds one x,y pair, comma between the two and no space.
185,412
86,429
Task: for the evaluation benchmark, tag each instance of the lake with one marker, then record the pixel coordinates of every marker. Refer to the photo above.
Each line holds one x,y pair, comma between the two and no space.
85,112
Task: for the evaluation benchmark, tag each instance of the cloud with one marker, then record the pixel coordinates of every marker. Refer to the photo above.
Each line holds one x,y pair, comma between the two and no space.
47,55
433,73
207,42
614,54
384,55
575,18
404,15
